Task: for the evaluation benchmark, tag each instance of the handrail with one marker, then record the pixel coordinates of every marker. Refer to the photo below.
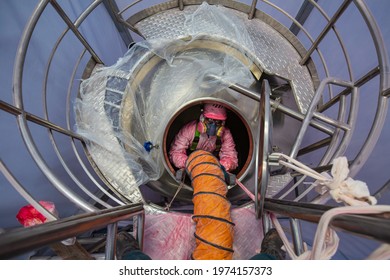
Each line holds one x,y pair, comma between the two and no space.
20,240
312,109
280,107
374,226
262,149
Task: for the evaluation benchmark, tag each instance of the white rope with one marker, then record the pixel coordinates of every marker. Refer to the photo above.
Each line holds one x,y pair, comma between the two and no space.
382,253
320,237
340,186
306,171
248,192
326,240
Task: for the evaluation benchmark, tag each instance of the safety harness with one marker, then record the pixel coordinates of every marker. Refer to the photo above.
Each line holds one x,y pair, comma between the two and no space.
195,143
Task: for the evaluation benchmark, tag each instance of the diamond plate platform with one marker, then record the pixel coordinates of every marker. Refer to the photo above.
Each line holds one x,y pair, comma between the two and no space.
272,51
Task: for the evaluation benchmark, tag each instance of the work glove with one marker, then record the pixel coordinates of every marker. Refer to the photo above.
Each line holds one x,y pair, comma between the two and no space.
230,178
180,174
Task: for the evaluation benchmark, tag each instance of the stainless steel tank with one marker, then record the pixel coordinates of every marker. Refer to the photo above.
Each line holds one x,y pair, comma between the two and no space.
163,82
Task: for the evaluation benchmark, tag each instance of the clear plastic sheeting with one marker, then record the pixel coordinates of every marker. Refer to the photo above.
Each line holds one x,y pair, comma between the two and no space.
273,52
124,106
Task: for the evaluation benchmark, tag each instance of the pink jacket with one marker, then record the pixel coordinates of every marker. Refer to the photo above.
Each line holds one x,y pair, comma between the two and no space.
183,140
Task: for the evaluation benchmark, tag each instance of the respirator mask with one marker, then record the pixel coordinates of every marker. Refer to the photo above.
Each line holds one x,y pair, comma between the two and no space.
213,127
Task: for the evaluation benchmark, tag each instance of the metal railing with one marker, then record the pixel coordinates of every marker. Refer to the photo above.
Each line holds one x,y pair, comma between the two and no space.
371,226
21,240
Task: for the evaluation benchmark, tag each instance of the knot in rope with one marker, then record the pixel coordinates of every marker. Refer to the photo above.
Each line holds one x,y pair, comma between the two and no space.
343,188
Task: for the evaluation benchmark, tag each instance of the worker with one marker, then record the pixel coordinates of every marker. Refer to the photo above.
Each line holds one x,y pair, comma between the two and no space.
127,248
209,133
271,247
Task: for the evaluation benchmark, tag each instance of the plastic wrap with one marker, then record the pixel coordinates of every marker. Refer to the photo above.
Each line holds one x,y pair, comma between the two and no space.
124,106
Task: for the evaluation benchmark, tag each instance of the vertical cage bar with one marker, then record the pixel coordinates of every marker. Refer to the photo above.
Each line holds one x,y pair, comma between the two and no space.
76,32
112,230
252,10
325,31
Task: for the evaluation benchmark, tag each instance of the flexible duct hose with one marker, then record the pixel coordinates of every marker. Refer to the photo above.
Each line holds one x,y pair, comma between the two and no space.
214,226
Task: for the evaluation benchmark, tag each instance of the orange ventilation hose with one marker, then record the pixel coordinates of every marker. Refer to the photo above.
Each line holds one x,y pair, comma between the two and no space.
214,226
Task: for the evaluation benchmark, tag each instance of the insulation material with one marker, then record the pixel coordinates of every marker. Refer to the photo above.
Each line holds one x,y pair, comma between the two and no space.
170,235
124,106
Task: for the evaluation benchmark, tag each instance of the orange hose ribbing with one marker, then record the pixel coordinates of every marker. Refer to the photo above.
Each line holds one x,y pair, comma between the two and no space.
214,226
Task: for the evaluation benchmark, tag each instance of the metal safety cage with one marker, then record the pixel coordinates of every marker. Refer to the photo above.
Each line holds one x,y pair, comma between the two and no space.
317,104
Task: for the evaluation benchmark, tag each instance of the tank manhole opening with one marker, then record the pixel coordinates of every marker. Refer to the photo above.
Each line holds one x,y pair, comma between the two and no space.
235,122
